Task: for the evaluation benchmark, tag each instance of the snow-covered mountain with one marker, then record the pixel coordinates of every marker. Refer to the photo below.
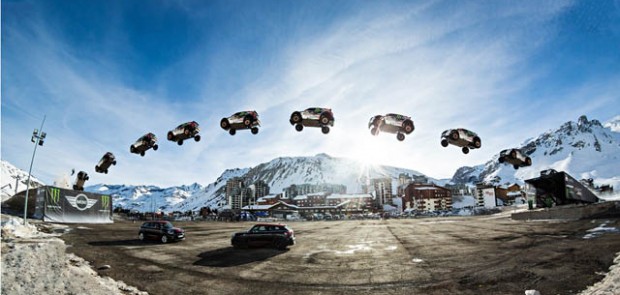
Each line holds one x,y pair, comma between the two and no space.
12,177
613,124
584,149
278,174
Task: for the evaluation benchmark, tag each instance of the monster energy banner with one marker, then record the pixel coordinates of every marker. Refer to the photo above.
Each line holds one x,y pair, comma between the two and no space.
69,206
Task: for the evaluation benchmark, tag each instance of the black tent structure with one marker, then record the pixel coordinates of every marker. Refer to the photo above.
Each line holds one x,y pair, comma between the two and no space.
53,204
555,188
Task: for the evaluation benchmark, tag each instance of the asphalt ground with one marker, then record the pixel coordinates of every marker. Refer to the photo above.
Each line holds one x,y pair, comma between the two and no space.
452,255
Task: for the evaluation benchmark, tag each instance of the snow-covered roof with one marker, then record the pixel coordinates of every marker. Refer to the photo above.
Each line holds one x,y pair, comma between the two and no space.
257,207
425,188
349,196
300,197
514,194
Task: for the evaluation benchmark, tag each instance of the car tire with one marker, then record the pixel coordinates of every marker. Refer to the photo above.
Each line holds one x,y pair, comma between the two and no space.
254,130
132,149
501,160
296,118
280,244
528,161
170,135
477,143
105,171
515,166
299,127
197,138
374,131
141,236
155,147
247,121
180,142
224,124
186,132
232,131
454,135
114,163
324,120
142,154
408,126
400,136
325,129
444,142
465,150
164,239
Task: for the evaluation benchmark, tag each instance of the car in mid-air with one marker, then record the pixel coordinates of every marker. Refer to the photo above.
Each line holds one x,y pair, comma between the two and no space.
80,179
391,123
144,143
184,131
106,161
241,120
515,157
161,230
461,137
313,117
279,236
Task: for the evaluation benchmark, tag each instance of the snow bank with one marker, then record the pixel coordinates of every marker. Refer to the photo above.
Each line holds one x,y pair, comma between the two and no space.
36,263
610,285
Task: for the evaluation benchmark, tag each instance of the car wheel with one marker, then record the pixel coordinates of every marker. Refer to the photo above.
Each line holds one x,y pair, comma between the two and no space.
247,122
280,244
164,239
299,127
197,138
454,135
501,160
374,131
180,142
477,142
400,137
254,130
295,118
515,166
444,142
141,236
106,171
170,135
142,154
408,126
325,129
132,149
186,132
232,131
324,120
224,124
114,163
155,147
528,161
465,150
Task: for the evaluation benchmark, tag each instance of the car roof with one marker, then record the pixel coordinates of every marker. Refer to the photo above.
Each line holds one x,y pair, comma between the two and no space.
269,224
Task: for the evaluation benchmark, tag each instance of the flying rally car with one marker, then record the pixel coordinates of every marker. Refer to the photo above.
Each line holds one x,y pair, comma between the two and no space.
184,131
313,117
241,120
106,161
80,179
515,157
391,123
462,138
144,143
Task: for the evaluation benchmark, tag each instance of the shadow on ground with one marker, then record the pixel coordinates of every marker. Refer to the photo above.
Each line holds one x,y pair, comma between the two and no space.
227,257
130,242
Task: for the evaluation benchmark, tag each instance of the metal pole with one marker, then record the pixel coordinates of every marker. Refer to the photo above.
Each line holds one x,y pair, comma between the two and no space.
30,170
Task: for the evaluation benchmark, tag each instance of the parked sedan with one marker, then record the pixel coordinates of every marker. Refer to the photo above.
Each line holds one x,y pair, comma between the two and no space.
515,157
265,234
162,231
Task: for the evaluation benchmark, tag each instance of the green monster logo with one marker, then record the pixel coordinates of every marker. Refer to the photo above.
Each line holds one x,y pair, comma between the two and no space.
105,201
55,194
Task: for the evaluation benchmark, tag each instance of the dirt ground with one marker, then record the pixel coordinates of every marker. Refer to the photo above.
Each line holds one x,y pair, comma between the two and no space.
469,255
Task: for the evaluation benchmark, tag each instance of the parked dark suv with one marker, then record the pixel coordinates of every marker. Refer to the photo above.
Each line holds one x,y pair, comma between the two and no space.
265,234
162,231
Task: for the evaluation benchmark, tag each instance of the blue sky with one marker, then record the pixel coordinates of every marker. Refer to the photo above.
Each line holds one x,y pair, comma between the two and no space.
106,72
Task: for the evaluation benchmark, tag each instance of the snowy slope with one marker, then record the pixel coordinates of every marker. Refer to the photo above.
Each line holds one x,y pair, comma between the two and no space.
10,174
584,149
613,124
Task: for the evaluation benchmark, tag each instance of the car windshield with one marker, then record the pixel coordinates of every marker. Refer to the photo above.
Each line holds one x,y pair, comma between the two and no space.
167,225
240,114
314,110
